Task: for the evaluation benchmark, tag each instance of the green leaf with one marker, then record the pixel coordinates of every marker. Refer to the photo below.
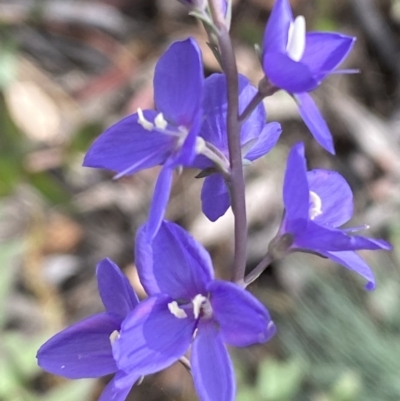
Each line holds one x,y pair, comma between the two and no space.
280,381
347,387
8,65
8,251
72,390
21,353
49,188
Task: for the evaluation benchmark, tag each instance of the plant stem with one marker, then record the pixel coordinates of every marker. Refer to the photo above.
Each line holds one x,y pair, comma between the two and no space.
256,272
257,99
265,89
235,151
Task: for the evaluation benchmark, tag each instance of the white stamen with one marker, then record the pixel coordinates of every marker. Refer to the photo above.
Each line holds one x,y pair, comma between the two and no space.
114,336
296,38
176,310
183,132
316,208
197,302
160,121
146,124
200,145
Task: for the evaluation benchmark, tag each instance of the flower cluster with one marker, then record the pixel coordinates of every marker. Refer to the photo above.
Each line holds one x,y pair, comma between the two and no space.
216,125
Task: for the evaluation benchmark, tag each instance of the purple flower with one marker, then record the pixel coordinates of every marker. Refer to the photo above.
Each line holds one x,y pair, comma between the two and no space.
187,307
317,202
165,137
298,62
83,350
256,136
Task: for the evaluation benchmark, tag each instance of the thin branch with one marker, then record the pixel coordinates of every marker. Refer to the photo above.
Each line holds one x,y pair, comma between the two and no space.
257,99
256,272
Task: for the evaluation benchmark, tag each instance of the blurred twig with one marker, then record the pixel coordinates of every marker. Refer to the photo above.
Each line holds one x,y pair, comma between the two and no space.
90,14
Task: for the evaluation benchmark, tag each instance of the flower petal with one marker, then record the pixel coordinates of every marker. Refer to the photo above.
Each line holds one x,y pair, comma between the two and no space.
287,74
265,142
254,125
277,31
178,82
152,338
188,151
312,117
215,199
319,239
213,129
335,195
213,375
82,350
174,263
159,202
242,319
115,290
354,262
325,51
128,147
119,387
295,190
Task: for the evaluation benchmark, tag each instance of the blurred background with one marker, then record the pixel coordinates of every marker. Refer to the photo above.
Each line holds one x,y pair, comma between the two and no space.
70,68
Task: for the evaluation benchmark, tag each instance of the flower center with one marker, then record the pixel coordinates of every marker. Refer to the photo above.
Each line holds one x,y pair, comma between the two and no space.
114,336
201,307
296,38
160,124
316,205
176,310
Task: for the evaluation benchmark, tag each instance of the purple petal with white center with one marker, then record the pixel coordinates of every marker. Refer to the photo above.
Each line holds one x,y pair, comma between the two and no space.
127,147
213,375
325,51
295,190
318,238
82,350
159,202
178,82
215,199
353,262
335,195
287,74
174,263
152,338
242,319
265,142
312,117
119,387
277,31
